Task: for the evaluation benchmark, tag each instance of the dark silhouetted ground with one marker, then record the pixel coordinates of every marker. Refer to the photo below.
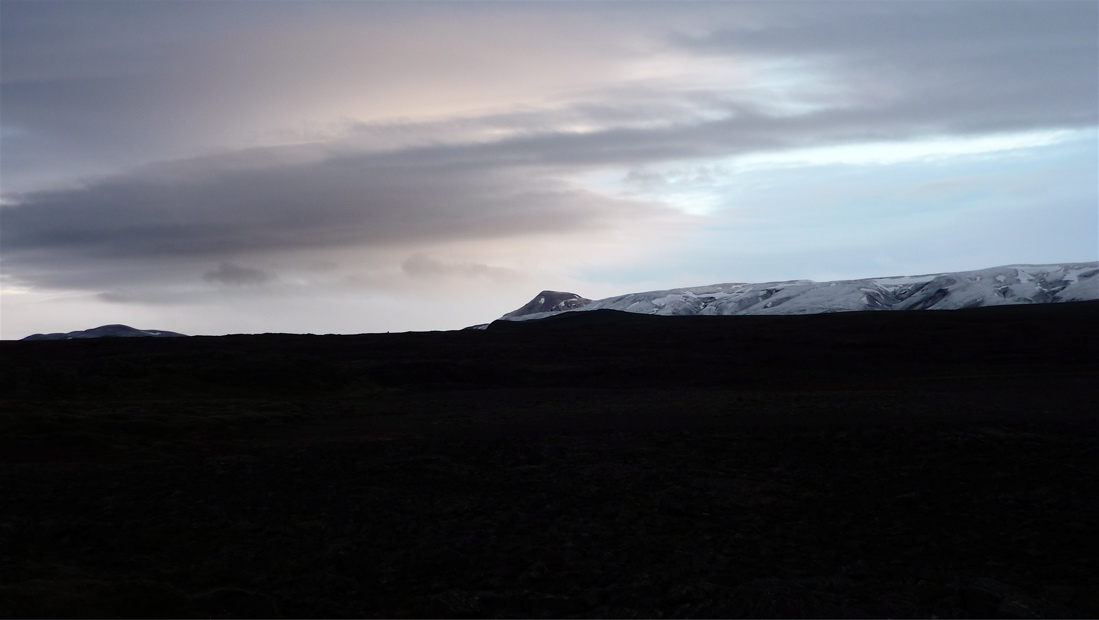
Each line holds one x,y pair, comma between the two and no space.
591,465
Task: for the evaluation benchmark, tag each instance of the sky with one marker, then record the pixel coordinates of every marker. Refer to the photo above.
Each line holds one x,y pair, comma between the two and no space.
217,166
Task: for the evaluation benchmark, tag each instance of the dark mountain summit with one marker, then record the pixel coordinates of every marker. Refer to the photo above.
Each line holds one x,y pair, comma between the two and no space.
549,301
108,331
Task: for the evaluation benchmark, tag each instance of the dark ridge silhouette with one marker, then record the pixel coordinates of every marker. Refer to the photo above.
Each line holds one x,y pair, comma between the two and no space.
107,331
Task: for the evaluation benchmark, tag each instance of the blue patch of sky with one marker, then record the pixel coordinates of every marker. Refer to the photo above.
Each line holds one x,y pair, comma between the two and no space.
1038,203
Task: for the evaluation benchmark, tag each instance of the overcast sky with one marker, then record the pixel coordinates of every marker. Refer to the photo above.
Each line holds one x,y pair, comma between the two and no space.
344,167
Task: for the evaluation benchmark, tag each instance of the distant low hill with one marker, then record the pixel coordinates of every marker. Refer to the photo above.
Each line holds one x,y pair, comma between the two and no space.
108,331
996,286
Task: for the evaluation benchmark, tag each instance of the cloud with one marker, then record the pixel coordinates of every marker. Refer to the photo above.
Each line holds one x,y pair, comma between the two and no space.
486,179
427,267
644,79
204,210
286,200
235,275
102,87
960,66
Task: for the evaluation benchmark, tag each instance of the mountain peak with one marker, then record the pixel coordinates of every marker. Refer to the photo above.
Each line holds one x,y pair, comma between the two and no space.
115,330
549,301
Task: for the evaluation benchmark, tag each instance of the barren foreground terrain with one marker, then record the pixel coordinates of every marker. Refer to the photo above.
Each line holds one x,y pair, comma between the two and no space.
907,464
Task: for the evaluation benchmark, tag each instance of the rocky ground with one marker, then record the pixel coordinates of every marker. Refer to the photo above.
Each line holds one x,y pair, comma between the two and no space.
401,477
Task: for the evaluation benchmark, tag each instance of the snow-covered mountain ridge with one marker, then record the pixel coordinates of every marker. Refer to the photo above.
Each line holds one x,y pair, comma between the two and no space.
1009,284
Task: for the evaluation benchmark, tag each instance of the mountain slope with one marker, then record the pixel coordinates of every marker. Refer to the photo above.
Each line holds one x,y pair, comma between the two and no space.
550,301
1010,284
108,331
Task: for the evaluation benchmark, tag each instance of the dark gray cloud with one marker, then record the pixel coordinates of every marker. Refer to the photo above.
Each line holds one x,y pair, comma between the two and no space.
88,87
232,274
1023,64
249,204
872,30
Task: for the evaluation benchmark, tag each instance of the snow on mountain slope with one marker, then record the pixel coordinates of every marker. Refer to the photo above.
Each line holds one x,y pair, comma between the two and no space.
550,301
1010,284
108,331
